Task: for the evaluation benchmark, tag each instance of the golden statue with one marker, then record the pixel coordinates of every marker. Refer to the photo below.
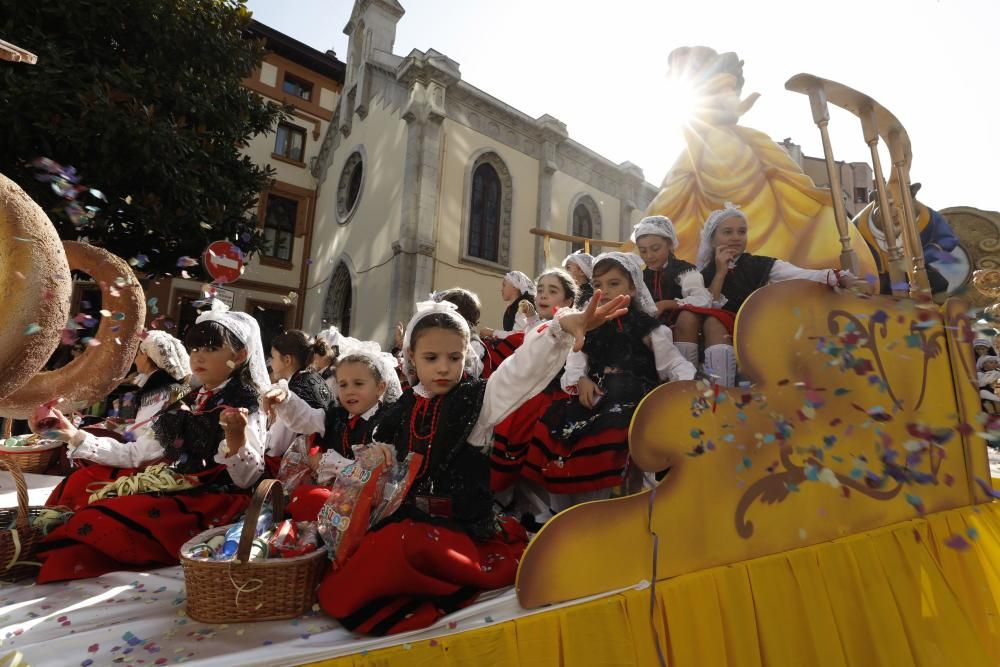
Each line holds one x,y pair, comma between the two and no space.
791,218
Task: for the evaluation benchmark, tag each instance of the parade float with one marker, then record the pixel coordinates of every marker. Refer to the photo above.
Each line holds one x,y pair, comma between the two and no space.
834,510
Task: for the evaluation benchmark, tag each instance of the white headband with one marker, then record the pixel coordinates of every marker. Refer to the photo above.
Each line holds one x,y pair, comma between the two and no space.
633,266
425,309
246,329
985,342
167,353
385,362
706,252
521,281
657,225
582,260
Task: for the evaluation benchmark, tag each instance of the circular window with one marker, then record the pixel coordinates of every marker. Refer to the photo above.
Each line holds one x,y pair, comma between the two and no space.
352,178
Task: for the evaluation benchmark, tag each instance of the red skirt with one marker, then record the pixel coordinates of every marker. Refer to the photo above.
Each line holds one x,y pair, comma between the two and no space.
133,532
497,350
727,318
406,575
512,436
74,490
596,461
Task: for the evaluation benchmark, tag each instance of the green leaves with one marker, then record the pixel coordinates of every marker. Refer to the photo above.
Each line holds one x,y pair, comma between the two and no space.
145,99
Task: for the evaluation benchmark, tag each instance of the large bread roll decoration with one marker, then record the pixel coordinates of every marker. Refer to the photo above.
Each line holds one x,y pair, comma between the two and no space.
104,364
35,287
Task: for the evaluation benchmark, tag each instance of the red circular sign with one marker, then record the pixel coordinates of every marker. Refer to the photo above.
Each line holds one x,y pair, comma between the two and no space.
223,261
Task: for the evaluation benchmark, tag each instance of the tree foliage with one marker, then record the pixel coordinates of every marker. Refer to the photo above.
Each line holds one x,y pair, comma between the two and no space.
144,98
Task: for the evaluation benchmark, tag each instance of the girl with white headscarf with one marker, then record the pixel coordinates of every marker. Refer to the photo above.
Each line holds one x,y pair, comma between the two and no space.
676,286
519,291
163,372
581,266
582,452
732,275
447,418
214,436
988,374
367,385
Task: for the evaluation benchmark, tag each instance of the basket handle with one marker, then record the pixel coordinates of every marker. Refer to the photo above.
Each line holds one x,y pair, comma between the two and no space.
22,492
269,487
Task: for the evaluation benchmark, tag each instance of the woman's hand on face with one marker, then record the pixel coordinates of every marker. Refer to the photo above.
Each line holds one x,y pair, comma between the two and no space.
579,323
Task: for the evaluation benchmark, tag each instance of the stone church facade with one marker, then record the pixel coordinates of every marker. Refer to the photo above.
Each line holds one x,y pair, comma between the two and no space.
425,182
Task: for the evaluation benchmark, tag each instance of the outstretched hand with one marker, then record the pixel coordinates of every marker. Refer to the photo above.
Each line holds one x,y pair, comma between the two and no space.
275,395
578,324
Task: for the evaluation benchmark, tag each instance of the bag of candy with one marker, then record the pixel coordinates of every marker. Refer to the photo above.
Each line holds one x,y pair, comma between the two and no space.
395,485
292,539
295,468
343,519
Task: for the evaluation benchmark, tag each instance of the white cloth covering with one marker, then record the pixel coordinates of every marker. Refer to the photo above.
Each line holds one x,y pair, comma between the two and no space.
706,250
143,613
522,375
670,363
693,290
583,260
632,265
521,281
167,353
448,309
246,329
244,467
655,225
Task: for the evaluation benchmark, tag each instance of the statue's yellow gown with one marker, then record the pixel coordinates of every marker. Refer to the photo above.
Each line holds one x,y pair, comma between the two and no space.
790,218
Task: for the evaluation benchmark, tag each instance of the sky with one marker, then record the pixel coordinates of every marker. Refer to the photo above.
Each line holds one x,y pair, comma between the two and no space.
600,67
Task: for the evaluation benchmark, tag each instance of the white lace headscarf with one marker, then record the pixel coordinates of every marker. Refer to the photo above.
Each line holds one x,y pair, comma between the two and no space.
521,281
247,331
448,309
984,360
982,342
331,337
656,225
167,353
384,361
706,252
583,260
633,266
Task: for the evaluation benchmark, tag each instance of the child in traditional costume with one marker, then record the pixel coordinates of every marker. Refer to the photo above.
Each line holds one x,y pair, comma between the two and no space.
212,439
988,374
982,347
291,353
580,266
445,544
677,287
555,290
518,290
366,385
582,451
470,308
732,275
164,371
323,363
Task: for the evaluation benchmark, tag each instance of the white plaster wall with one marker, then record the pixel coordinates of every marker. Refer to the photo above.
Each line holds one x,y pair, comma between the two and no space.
565,189
366,239
328,99
268,74
461,144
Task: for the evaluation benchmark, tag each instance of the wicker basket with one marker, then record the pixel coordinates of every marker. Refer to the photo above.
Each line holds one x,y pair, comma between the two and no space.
36,459
245,590
17,544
